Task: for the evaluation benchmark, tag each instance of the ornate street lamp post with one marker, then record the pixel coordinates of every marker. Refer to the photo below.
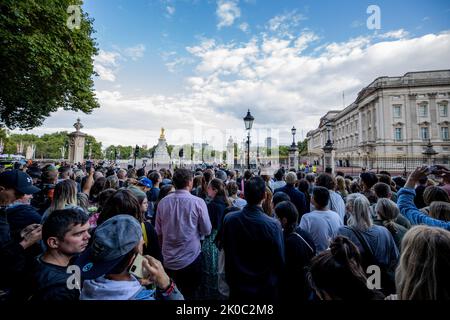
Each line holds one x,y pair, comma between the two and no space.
293,151
248,120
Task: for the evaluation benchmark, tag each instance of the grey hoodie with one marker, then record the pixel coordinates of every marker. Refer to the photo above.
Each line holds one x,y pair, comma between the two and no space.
105,289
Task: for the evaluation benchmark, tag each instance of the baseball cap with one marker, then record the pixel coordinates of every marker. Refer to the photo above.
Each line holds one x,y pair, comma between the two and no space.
146,182
19,181
113,239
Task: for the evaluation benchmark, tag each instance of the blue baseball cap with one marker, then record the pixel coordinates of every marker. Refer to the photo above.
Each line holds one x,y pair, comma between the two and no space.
18,180
146,182
112,240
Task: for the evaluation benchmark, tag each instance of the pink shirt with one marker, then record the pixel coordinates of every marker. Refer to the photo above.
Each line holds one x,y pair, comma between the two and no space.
446,187
181,220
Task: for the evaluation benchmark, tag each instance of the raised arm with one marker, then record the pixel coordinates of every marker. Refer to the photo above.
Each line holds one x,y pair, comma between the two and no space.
406,204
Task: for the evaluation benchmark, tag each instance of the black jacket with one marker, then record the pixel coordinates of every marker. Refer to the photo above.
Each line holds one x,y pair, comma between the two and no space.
299,249
152,249
216,209
254,254
13,262
297,197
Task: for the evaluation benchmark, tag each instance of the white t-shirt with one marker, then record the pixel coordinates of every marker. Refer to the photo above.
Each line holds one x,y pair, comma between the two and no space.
323,227
335,204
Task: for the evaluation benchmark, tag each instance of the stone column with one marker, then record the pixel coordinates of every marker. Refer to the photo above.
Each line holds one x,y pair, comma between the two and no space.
434,130
293,157
76,144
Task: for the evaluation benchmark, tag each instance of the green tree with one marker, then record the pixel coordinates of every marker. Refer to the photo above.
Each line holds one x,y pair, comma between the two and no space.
283,151
302,147
44,65
96,148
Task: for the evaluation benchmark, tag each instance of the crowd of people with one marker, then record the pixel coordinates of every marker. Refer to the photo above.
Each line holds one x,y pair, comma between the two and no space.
97,232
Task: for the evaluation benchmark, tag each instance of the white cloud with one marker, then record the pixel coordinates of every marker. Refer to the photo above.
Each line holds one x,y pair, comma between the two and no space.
285,24
227,11
396,34
244,27
135,53
284,82
105,64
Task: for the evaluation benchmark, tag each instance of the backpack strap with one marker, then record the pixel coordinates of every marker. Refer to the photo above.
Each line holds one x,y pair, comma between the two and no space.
306,242
367,248
144,233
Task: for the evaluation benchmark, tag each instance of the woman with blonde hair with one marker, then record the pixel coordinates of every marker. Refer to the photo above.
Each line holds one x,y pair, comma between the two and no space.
64,197
422,273
341,188
386,213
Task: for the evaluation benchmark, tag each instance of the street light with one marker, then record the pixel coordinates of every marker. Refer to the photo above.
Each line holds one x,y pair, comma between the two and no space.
248,120
180,155
136,153
153,157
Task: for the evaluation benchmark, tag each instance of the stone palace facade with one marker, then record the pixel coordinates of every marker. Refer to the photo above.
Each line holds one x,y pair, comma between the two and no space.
392,119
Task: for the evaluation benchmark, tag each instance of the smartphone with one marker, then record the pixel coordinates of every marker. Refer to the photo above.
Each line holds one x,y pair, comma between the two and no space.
136,268
88,166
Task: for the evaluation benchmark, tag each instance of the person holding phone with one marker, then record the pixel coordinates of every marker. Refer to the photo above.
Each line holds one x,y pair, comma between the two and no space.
114,269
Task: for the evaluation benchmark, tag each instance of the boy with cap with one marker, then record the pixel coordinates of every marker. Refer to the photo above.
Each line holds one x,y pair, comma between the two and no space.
106,265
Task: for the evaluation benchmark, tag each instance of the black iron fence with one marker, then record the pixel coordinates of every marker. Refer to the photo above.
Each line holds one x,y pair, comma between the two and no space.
391,164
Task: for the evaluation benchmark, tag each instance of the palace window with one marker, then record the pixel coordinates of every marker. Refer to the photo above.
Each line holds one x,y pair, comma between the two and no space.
398,134
424,133
423,110
397,111
444,133
443,110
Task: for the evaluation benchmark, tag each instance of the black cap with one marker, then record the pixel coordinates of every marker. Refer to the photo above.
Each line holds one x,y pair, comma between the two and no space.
19,181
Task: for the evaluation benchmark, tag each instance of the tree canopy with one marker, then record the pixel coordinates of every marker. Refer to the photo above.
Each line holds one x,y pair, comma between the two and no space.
48,146
44,64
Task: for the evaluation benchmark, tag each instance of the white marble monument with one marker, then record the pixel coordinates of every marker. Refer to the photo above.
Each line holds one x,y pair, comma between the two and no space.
162,157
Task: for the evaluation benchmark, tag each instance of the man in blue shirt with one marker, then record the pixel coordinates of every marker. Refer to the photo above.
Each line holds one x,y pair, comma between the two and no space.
254,249
297,197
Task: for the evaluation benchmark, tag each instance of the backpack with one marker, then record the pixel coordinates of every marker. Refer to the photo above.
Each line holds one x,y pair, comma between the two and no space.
387,278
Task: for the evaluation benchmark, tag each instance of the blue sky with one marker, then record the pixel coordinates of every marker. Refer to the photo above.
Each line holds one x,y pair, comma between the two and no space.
202,63
125,23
